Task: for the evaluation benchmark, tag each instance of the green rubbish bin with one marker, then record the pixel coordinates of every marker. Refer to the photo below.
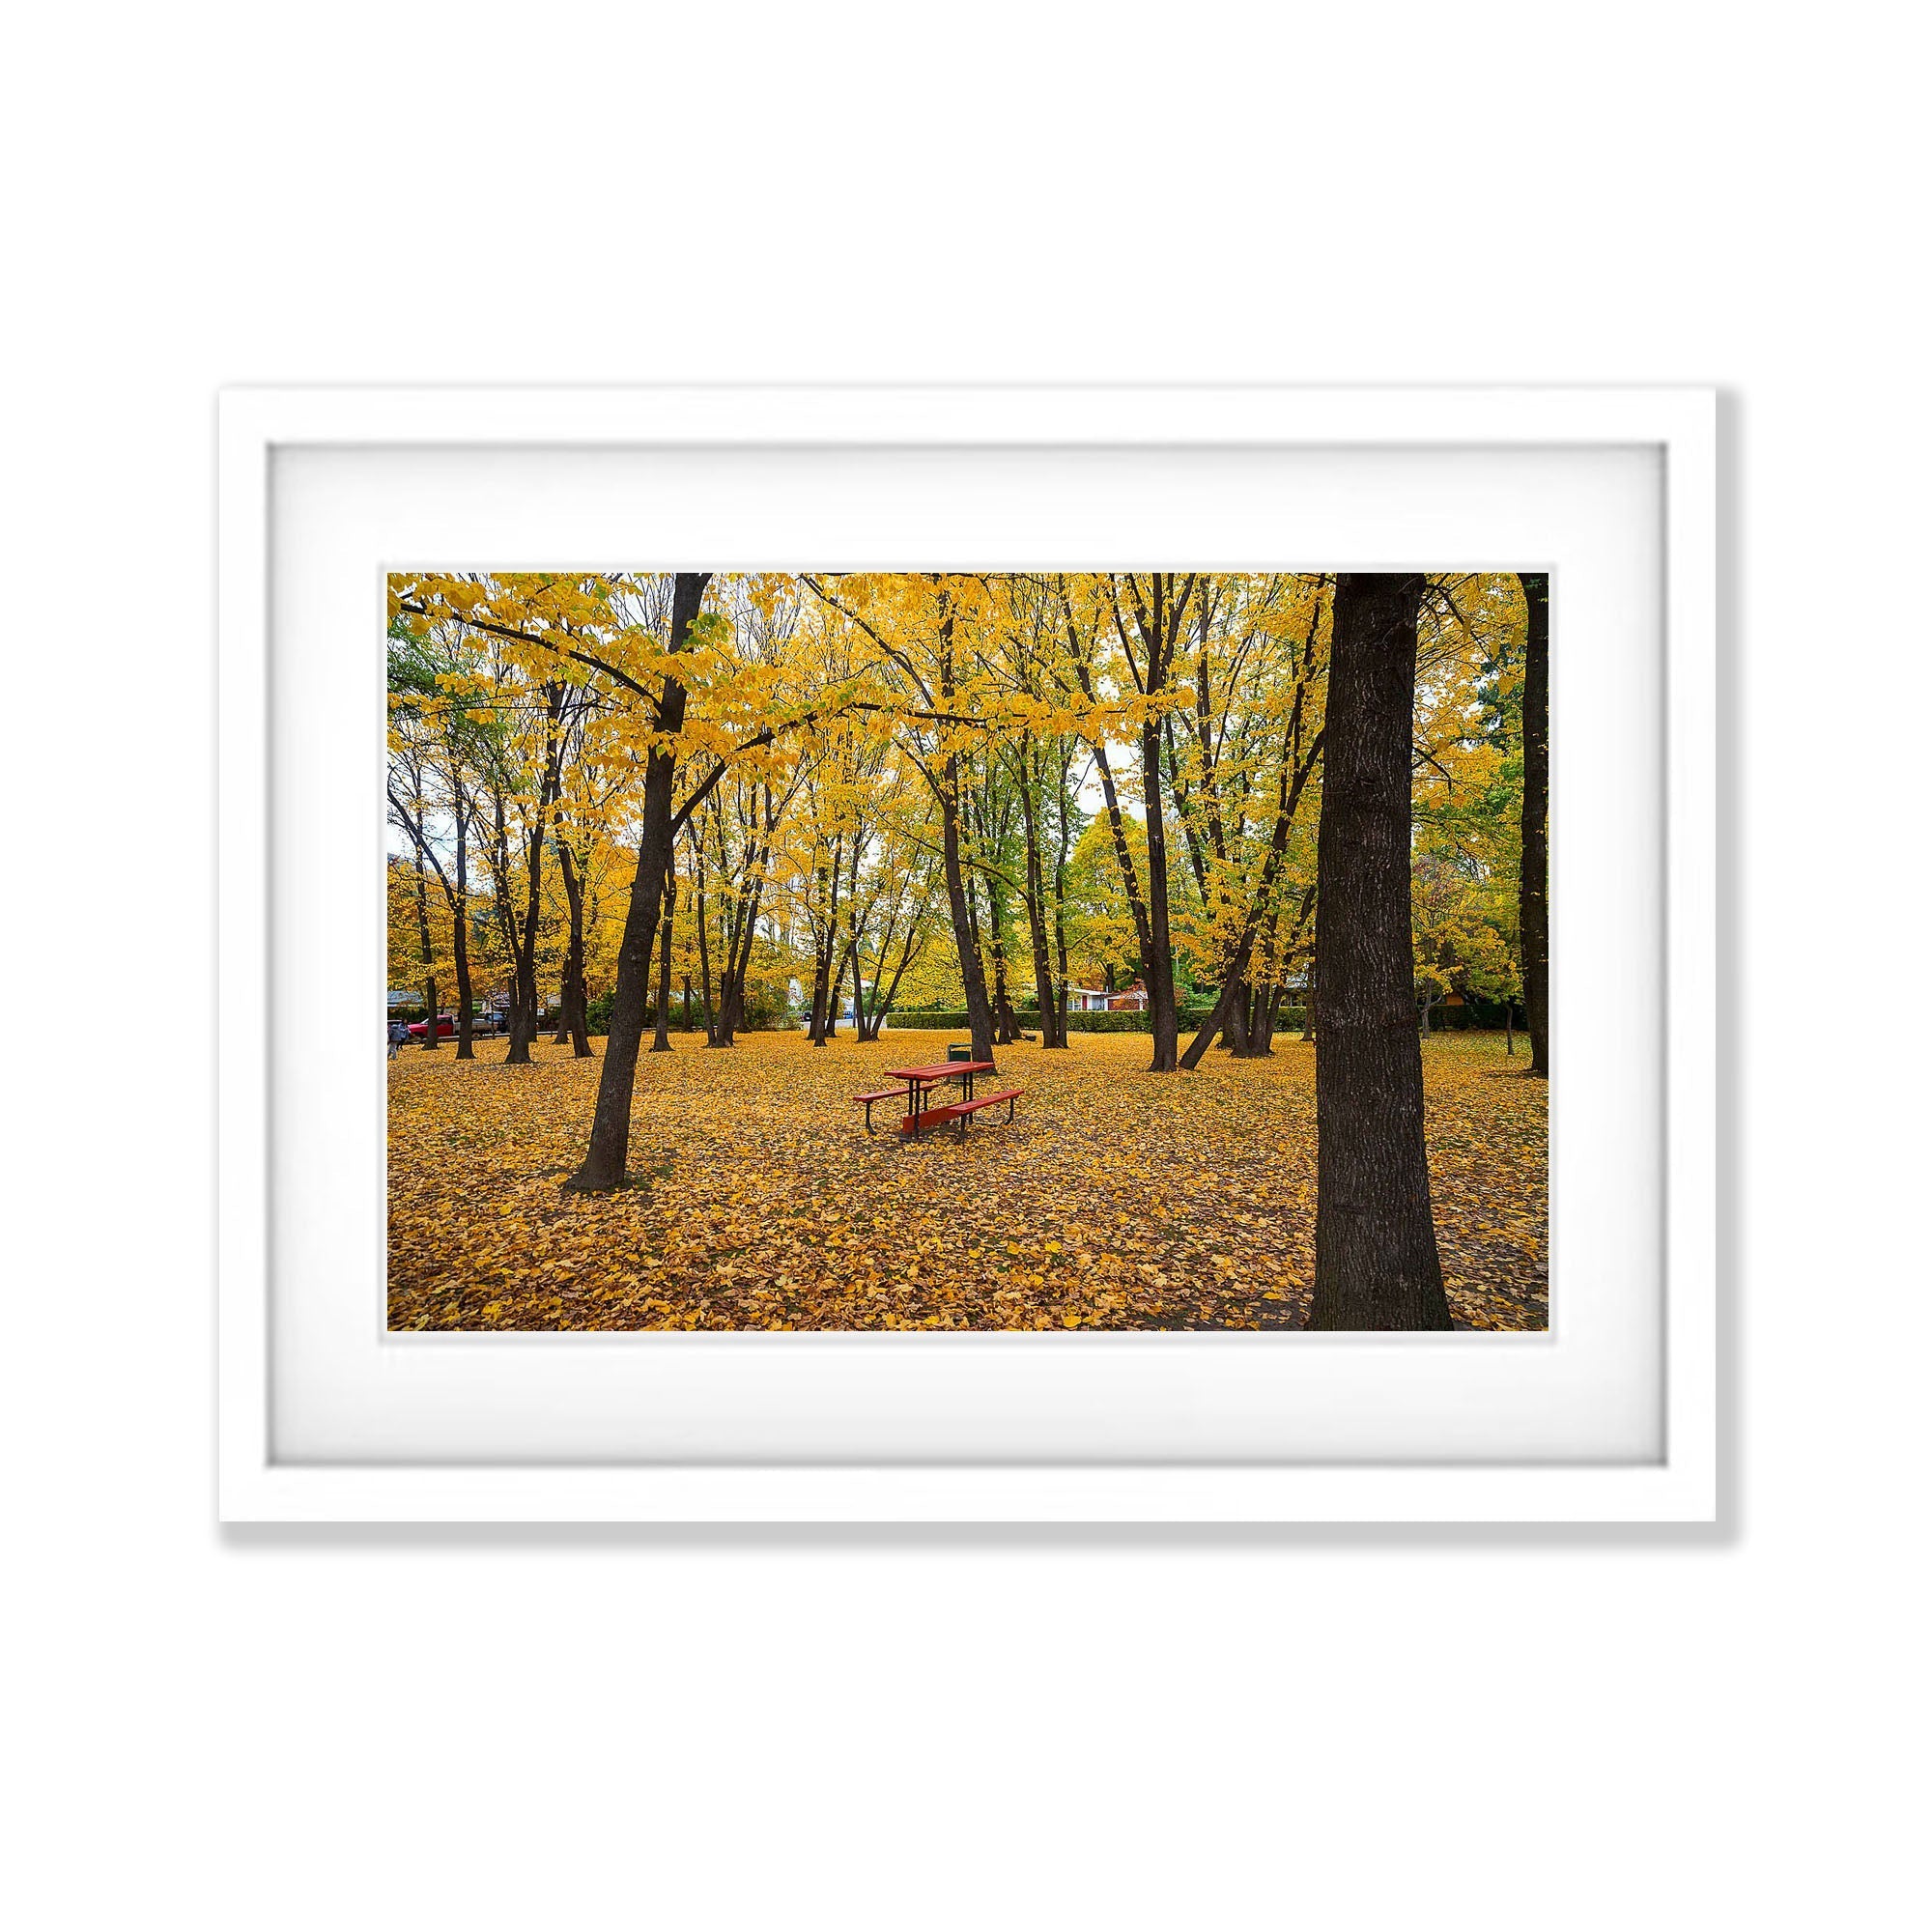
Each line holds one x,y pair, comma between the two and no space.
954,1053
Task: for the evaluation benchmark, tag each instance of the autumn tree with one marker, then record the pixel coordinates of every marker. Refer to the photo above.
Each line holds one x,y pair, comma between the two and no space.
1256,713
433,743
932,685
605,1161
1535,912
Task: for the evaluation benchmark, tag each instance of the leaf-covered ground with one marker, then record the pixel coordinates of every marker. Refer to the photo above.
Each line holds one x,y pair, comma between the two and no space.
1115,1200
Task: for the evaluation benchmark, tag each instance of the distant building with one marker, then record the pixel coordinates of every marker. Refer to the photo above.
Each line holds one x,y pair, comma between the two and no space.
1098,999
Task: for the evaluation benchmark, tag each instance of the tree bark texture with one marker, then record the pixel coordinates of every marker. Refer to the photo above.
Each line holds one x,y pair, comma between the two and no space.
1376,1261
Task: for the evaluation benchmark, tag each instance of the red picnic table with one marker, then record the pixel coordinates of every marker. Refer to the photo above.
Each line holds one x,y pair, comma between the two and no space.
918,1084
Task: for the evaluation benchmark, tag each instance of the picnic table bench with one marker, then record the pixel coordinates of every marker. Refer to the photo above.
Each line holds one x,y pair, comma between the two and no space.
919,1083
869,1101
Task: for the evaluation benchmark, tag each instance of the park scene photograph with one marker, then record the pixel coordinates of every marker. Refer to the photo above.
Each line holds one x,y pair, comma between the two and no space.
936,951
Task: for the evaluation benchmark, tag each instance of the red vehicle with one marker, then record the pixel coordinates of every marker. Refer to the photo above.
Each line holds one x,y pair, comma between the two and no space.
482,1024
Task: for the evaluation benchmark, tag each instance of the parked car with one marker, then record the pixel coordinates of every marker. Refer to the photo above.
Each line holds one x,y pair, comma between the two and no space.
483,1023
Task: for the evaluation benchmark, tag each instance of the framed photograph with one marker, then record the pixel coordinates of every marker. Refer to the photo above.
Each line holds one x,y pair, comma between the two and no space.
968,955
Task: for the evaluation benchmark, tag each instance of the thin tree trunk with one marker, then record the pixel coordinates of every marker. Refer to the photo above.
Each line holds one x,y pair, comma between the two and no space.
705,968
1036,907
739,932
574,1017
1293,777
605,1161
1006,1023
881,1004
1158,967
661,1042
702,921
548,792
1376,1261
1159,618
1062,841
500,892
1236,974
429,1039
466,1004
457,899
1066,976
971,971
821,976
1534,909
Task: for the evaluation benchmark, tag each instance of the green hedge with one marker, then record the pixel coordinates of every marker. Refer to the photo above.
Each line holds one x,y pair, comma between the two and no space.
1028,1019
1287,1020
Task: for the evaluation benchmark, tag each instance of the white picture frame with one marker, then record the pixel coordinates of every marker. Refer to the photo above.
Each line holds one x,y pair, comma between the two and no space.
492,432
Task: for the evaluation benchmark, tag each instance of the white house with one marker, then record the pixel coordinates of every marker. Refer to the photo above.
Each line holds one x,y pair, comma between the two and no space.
1098,999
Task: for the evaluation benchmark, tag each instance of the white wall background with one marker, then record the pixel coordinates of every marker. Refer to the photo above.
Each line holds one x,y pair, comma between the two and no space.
423,1729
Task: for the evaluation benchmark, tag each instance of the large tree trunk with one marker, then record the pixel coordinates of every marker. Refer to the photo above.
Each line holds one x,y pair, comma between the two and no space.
1237,1033
1261,1031
606,1160
1376,1261
1534,909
